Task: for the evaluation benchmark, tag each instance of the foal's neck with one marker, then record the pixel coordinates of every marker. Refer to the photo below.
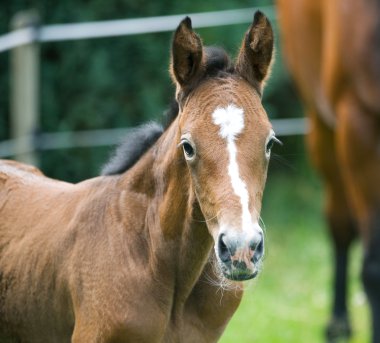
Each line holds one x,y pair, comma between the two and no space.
180,243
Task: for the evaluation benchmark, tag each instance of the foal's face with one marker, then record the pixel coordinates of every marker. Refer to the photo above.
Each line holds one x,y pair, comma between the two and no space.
226,140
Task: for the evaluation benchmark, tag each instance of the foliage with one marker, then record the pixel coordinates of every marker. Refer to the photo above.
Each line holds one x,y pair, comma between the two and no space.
115,82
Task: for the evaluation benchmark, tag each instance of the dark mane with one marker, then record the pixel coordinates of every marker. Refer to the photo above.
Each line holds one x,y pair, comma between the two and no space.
137,142
140,139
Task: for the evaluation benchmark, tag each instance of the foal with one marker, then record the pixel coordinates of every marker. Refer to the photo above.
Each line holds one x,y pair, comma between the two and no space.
129,257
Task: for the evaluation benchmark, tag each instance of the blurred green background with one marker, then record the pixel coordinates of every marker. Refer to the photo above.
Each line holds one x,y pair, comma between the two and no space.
122,82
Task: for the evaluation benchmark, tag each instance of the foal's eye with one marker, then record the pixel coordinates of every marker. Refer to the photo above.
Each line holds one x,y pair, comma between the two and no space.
269,146
272,139
188,149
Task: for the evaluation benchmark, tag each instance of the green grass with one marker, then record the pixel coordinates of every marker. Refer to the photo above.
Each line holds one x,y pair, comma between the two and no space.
290,301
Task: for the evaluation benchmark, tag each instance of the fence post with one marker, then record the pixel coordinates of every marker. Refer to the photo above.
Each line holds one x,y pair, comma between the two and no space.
25,90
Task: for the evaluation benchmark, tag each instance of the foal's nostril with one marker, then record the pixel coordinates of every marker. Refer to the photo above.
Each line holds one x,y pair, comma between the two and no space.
224,253
258,248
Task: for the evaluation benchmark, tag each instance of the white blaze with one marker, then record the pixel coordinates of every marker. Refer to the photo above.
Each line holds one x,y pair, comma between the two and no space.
231,123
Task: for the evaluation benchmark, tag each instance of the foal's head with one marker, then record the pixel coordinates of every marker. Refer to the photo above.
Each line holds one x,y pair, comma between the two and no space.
226,138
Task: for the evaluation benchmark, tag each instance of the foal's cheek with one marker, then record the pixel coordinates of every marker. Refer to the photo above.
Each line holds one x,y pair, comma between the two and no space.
206,202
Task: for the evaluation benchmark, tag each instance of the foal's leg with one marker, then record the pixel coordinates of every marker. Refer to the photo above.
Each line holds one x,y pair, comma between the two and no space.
359,146
321,141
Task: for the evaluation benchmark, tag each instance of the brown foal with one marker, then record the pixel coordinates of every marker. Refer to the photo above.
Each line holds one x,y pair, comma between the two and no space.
137,256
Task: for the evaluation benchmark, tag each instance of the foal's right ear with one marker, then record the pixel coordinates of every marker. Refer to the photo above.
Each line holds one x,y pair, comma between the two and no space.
186,55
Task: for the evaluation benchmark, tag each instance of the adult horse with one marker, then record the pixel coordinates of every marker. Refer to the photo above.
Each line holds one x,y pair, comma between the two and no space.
333,51
129,257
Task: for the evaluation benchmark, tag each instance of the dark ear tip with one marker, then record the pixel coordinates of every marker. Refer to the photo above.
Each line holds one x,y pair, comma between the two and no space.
259,17
187,23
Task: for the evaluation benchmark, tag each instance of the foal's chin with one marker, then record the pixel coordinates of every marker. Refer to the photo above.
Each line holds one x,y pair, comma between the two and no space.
239,274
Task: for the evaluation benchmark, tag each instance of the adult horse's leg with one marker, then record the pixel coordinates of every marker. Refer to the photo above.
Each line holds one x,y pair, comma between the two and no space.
321,142
358,144
371,275
339,325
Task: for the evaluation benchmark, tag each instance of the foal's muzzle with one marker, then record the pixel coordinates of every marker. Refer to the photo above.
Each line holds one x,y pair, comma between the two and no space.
240,254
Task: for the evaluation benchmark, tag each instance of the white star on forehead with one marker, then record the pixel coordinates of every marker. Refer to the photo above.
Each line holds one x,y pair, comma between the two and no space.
230,120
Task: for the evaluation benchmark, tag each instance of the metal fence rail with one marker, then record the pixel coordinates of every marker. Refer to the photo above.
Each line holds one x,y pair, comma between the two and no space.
112,28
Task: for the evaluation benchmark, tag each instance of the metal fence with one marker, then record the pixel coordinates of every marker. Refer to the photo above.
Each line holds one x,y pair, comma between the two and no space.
23,42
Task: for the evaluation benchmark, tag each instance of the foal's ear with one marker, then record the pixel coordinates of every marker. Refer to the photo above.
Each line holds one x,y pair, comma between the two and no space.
255,56
186,54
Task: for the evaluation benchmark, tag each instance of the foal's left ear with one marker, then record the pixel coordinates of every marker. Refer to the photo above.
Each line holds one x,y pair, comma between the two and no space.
255,56
186,55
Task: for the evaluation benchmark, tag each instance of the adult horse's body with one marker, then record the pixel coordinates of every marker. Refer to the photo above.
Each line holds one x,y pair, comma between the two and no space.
129,257
333,51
